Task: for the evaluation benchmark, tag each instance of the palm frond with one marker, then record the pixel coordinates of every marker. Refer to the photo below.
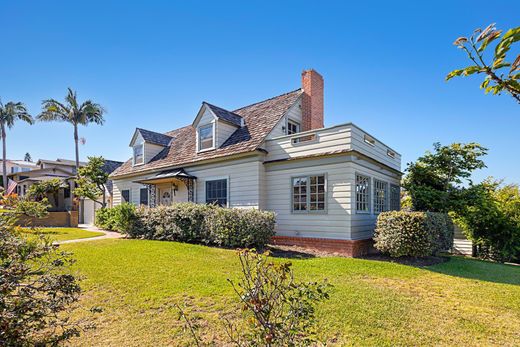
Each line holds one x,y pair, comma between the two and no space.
92,112
13,111
53,110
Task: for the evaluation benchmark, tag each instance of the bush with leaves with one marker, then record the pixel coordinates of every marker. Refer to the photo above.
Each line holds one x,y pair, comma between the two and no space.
206,224
414,234
119,218
36,209
276,309
36,291
491,219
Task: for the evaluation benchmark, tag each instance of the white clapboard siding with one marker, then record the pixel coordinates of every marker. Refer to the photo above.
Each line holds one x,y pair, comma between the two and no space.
294,113
362,224
243,180
150,151
224,131
338,138
332,223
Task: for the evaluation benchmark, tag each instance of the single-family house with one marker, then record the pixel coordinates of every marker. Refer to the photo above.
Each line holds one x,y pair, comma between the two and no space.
65,170
326,184
15,166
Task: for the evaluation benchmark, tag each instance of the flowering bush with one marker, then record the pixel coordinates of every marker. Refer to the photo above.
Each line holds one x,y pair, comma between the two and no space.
416,234
206,224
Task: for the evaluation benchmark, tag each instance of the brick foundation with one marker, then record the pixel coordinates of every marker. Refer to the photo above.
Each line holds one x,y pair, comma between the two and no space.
348,248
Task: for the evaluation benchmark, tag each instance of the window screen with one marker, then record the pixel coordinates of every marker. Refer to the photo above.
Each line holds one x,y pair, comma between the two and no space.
380,196
216,192
362,193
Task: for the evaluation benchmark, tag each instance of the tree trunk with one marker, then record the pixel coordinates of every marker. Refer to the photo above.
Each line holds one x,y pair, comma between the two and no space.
73,185
77,147
4,155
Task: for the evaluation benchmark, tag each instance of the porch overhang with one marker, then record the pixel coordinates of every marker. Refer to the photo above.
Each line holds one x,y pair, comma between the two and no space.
167,176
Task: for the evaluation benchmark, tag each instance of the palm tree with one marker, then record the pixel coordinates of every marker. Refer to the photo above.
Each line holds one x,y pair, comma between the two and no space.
9,114
72,112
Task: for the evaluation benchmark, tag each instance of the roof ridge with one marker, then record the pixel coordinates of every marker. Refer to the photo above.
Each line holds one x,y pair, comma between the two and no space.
259,102
222,108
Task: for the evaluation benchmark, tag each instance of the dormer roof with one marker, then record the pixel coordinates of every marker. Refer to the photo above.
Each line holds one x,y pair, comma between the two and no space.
259,119
225,115
152,137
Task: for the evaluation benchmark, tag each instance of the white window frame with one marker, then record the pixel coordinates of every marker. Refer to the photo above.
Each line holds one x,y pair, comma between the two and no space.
392,186
217,178
142,155
308,194
295,123
375,190
214,136
369,194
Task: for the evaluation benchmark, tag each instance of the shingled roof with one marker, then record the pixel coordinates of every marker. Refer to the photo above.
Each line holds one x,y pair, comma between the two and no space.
259,119
226,115
155,138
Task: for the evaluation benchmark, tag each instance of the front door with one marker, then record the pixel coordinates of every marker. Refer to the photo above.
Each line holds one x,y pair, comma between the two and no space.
166,196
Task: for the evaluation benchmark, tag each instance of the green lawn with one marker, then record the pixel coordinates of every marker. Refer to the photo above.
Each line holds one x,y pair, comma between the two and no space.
461,302
62,234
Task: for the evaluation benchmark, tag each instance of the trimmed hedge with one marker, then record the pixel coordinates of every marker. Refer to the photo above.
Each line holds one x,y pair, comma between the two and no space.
118,218
204,224
415,234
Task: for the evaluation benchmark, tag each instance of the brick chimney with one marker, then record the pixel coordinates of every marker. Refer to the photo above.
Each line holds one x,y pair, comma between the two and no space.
312,100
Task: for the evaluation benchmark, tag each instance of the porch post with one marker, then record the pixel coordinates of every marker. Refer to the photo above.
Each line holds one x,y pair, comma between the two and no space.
152,200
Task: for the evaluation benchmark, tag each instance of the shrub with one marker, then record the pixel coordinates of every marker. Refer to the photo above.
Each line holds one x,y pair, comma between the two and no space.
37,209
206,224
35,290
416,234
277,310
118,218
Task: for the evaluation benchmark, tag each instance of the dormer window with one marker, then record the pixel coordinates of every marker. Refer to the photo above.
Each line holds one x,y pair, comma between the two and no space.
292,127
206,137
138,154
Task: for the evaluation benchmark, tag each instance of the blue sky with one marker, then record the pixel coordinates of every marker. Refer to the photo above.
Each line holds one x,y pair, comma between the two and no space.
151,64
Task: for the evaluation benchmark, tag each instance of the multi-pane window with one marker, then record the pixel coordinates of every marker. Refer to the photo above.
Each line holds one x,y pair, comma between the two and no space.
206,137
216,192
380,196
362,194
395,198
138,154
125,195
309,193
292,127
143,196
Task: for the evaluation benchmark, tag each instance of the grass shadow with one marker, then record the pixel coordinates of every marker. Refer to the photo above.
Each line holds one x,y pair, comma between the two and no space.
289,253
480,270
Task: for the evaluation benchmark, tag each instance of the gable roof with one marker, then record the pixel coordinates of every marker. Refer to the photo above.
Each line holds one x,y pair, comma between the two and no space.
154,138
64,162
259,119
225,115
110,165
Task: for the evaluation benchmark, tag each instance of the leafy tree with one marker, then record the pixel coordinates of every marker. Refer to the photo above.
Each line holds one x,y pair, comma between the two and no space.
92,180
72,112
36,290
40,190
9,114
434,181
501,75
490,217
27,157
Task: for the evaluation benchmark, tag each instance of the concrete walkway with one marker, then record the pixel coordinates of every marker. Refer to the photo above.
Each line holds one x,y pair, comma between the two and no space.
108,234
